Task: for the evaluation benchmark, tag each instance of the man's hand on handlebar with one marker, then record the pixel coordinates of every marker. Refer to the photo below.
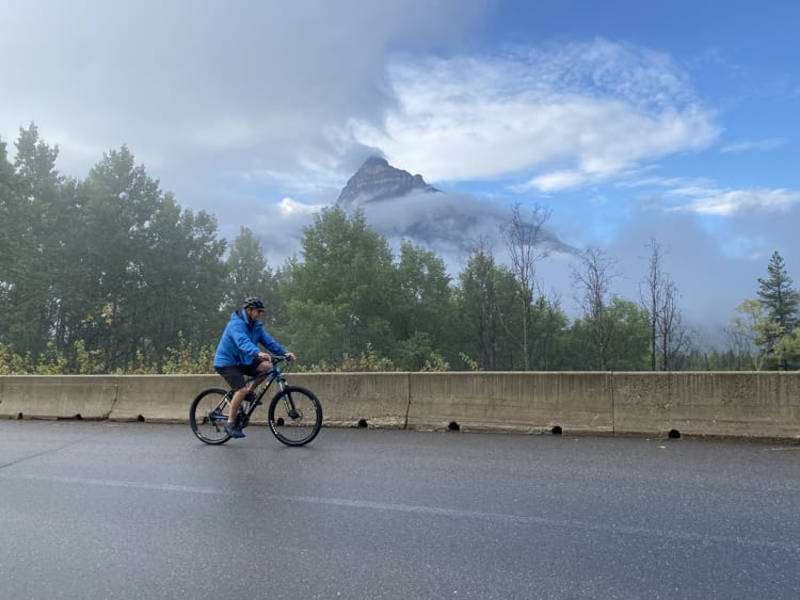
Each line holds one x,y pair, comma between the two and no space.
266,356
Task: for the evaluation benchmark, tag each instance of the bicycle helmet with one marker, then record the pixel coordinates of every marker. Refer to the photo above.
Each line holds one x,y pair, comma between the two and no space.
253,302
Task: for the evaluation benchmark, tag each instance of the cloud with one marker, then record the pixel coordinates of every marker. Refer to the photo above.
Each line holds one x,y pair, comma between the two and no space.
553,182
710,281
279,225
289,207
766,144
590,110
289,100
708,198
664,182
714,268
209,87
695,190
733,202
452,224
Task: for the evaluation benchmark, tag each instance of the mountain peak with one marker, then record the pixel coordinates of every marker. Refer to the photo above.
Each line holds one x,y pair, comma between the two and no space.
376,161
377,180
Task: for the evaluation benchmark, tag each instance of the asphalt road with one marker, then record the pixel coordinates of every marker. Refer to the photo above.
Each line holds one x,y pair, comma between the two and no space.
140,511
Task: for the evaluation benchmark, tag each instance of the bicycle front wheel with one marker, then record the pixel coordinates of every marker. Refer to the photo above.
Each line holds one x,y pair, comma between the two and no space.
208,415
295,416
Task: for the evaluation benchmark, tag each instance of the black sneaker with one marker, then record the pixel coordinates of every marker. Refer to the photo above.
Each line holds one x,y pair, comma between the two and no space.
234,430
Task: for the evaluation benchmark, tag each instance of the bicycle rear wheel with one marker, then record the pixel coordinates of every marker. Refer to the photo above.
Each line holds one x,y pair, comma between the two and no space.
295,416
208,415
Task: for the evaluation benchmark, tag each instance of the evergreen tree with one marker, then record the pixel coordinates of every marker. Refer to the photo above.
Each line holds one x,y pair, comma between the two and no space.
780,299
781,303
250,275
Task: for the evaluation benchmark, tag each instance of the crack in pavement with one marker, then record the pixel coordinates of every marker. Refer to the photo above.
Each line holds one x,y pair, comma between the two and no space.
44,452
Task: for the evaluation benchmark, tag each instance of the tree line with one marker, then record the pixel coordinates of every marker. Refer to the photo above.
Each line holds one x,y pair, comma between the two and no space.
110,274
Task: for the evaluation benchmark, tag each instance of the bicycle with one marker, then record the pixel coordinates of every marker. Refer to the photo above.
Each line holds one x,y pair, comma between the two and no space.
294,414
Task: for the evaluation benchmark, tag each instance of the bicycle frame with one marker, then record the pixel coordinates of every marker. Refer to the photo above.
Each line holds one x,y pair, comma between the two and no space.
274,374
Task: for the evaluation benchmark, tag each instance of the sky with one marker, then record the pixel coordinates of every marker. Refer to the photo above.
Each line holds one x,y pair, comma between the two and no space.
626,120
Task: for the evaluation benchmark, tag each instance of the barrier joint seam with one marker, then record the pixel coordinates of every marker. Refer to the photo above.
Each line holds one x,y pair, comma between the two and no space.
116,398
613,405
408,404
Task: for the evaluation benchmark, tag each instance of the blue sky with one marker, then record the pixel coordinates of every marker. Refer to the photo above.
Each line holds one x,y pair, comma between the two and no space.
627,120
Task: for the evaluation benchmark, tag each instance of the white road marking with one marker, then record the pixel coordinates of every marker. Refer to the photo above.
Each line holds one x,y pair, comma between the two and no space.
610,528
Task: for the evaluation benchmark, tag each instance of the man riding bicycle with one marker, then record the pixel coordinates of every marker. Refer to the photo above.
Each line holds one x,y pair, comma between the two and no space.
238,355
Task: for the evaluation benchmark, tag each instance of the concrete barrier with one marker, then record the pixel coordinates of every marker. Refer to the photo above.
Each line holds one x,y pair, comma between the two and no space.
159,398
763,405
758,405
378,399
512,401
53,397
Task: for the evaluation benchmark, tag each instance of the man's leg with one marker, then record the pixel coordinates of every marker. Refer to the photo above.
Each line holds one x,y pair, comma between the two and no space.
264,365
238,396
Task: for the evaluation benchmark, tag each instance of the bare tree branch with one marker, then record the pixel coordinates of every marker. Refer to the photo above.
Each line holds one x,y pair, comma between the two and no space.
593,278
651,297
524,236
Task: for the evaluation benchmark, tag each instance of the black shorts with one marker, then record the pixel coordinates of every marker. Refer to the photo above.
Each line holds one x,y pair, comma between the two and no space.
235,375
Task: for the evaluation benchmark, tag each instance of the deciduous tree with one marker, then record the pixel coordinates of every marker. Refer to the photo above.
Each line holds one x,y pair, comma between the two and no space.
524,239
592,277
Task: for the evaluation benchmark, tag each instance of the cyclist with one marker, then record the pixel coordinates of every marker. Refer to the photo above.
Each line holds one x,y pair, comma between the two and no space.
238,355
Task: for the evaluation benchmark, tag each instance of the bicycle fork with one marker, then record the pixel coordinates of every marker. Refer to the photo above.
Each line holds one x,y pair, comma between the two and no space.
291,410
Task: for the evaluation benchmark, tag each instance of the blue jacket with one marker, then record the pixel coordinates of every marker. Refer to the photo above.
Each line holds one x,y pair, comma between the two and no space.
238,344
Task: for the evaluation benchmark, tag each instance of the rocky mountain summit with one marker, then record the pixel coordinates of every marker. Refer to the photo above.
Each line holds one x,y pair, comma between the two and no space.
378,180
400,205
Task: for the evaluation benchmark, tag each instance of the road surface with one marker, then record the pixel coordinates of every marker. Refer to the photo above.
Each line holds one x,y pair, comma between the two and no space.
143,511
